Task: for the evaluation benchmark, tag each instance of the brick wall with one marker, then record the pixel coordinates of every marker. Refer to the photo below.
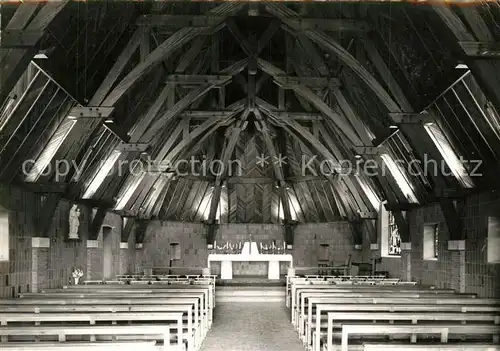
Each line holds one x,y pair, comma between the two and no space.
337,235
30,268
466,271
191,237
156,246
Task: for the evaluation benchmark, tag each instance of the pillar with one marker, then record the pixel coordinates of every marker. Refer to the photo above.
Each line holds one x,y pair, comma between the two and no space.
457,252
40,263
94,260
406,262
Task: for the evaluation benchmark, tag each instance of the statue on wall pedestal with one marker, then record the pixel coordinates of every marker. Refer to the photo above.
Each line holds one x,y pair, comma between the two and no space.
74,222
77,274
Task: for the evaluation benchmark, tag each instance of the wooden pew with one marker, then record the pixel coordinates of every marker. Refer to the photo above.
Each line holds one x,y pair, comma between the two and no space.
202,282
295,291
192,335
322,310
206,300
307,294
440,347
189,305
322,303
84,346
145,332
92,318
334,319
444,330
343,280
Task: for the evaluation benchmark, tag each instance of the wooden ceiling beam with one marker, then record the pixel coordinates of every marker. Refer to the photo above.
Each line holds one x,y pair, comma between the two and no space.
127,229
288,16
485,71
19,39
44,188
233,134
96,223
261,125
15,61
316,101
205,114
164,50
478,49
156,20
217,80
329,24
299,116
90,112
288,82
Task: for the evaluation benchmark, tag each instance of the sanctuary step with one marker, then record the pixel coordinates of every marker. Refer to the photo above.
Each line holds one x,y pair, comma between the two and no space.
249,280
272,294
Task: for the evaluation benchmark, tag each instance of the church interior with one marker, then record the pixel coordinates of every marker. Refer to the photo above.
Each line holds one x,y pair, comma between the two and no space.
250,176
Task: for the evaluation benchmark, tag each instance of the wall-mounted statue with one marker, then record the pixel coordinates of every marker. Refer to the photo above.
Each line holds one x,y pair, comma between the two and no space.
74,222
77,274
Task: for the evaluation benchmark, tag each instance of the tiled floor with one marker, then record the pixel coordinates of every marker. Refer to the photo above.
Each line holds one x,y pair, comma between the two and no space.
258,326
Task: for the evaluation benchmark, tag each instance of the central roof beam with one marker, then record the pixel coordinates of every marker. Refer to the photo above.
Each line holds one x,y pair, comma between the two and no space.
233,133
261,126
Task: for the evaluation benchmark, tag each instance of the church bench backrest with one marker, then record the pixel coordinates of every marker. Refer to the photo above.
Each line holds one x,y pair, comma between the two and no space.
298,289
304,303
6,318
189,308
92,318
130,303
402,301
444,330
391,309
323,303
140,289
206,301
118,294
161,331
410,317
440,347
314,298
194,322
84,346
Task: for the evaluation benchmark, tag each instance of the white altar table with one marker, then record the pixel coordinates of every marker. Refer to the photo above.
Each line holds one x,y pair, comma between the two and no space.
227,260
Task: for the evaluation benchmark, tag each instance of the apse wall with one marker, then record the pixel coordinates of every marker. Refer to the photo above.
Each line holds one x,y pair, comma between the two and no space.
333,240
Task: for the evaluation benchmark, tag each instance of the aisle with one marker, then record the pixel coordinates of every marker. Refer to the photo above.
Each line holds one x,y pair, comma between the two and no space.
258,326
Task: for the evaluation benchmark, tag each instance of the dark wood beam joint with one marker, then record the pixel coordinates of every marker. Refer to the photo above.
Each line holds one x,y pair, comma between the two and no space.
90,112
96,223
479,49
19,39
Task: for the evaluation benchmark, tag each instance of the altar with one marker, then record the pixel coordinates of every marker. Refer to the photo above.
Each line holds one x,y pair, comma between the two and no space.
250,253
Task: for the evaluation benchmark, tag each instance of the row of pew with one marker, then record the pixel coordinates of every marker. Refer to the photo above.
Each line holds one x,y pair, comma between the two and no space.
154,279
109,316
330,316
